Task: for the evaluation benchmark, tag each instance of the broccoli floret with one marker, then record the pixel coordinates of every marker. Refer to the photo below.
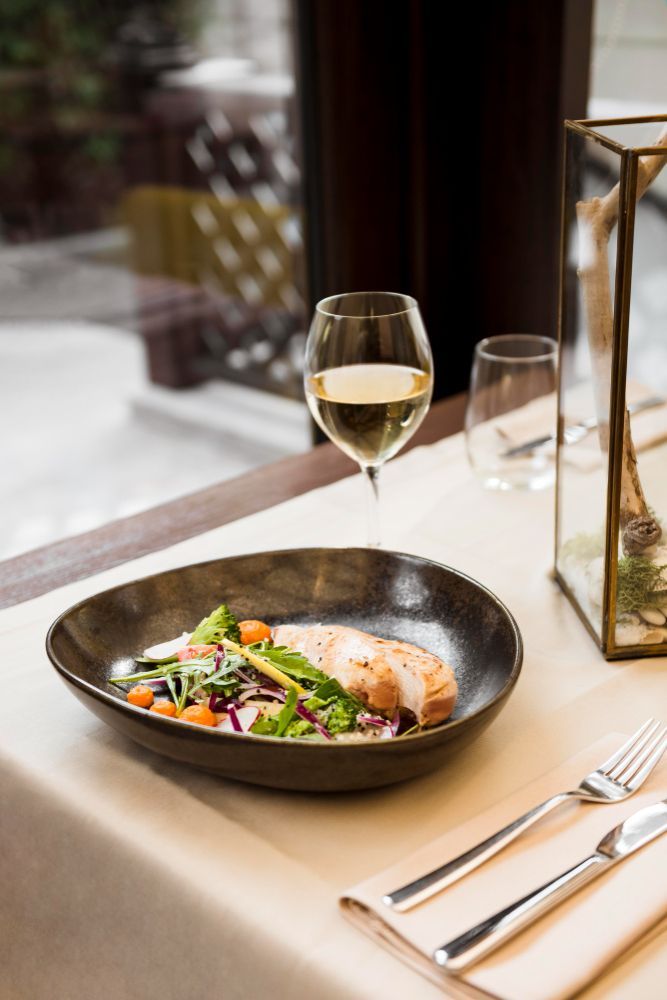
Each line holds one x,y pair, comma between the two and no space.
341,716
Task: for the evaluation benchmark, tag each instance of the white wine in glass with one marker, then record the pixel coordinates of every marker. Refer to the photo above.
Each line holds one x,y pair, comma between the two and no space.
368,379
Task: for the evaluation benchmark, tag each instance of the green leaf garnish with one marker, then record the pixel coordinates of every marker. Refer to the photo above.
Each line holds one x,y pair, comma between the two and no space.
183,697
265,726
294,664
220,624
287,712
336,708
149,659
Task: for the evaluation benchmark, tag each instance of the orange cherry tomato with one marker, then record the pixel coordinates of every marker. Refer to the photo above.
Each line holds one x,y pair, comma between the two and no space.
253,631
194,652
140,695
164,707
200,714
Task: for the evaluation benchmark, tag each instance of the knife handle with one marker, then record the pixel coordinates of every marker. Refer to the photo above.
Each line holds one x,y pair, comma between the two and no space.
489,934
435,881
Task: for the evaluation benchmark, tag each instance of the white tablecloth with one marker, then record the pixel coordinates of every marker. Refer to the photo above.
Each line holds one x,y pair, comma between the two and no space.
124,874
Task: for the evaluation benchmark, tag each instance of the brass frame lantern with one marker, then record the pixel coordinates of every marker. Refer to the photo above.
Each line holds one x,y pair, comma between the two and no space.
610,544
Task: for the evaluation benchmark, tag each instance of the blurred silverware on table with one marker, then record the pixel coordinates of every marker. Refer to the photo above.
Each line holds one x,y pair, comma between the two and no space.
615,779
626,838
575,432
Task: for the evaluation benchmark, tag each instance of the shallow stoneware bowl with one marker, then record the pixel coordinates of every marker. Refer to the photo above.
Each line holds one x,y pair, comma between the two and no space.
392,595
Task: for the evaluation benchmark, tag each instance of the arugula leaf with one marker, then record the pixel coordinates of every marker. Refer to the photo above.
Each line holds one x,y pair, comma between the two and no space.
265,726
148,659
183,697
287,712
226,670
292,663
220,624
172,688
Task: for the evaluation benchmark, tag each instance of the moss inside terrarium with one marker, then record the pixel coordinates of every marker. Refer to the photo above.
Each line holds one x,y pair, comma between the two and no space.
584,547
640,582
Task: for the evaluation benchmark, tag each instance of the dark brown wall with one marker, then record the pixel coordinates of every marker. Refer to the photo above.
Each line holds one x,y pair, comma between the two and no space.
435,180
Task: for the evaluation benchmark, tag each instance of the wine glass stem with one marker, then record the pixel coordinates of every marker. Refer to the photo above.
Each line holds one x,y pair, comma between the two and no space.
371,474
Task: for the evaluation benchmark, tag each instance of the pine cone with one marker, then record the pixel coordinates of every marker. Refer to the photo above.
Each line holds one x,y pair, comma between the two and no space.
639,534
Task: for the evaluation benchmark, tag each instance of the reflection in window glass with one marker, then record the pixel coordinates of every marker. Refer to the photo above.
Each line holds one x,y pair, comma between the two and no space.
151,258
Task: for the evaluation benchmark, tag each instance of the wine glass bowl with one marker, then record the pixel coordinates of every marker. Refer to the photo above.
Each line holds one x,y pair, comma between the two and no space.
368,378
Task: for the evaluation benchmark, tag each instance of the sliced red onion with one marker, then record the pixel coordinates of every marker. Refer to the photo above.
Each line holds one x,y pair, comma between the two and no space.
234,719
258,689
239,720
224,704
372,720
219,657
305,713
392,728
244,677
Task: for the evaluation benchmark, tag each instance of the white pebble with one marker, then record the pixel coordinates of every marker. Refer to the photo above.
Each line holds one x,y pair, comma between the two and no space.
652,615
629,635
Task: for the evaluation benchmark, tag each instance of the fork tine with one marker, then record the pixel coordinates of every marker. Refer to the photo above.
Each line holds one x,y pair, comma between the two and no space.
632,754
640,769
620,754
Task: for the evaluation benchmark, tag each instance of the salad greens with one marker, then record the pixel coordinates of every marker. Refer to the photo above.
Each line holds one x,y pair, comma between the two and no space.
289,698
220,624
294,664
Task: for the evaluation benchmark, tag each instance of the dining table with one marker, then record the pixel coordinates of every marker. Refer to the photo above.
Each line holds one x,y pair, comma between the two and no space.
126,874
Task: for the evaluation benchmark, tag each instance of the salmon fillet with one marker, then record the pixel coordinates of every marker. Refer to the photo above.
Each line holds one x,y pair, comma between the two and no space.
383,673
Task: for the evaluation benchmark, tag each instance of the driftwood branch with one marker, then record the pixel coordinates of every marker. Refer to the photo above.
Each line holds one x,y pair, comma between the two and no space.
596,220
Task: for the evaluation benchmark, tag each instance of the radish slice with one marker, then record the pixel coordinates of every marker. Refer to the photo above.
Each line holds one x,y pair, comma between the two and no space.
246,717
163,650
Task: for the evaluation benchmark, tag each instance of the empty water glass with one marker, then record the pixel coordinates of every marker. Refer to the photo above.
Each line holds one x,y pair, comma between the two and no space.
512,404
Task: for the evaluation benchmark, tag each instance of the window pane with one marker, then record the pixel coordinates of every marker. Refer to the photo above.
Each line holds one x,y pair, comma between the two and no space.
151,256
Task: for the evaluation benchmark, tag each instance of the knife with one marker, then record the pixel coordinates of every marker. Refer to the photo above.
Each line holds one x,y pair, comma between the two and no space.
575,432
638,830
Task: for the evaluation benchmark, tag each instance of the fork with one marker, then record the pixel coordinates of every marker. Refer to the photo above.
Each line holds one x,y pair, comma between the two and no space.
615,779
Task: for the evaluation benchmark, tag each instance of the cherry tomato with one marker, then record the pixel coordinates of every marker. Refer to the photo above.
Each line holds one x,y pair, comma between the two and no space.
253,631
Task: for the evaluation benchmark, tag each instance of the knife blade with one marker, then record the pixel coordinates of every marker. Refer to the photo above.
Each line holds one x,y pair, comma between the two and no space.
635,832
575,432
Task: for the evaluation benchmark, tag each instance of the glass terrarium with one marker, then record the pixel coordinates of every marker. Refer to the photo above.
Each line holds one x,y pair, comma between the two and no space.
611,506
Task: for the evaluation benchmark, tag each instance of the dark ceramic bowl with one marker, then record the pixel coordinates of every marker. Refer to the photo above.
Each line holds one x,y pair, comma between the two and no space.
389,594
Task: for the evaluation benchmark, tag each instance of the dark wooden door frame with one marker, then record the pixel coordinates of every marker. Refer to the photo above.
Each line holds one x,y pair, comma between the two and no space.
424,180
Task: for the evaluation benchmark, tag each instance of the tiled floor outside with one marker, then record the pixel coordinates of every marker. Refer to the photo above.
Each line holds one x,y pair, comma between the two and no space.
85,439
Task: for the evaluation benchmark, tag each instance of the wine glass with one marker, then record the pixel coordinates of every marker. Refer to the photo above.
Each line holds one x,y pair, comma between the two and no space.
368,379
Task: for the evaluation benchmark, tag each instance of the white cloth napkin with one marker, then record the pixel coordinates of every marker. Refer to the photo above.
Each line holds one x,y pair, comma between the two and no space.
569,947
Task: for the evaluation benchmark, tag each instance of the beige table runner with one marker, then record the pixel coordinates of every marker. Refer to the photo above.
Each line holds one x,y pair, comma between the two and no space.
128,875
